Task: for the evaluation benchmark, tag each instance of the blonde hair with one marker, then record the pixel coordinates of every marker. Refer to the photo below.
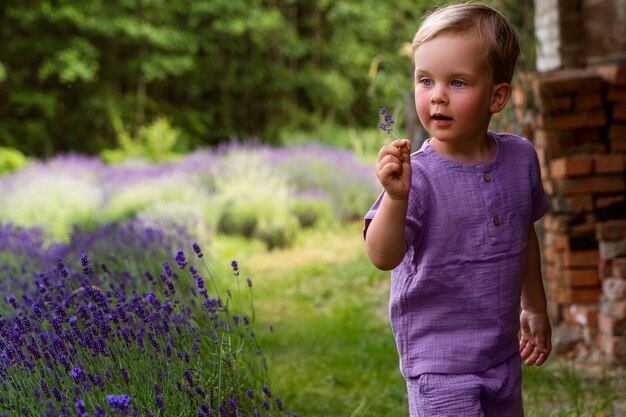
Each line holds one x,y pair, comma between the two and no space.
490,27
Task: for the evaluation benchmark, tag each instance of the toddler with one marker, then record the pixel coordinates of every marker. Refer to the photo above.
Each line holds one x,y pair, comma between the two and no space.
455,223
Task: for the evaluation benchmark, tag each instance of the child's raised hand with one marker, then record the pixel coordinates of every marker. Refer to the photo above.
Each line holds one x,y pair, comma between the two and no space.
394,168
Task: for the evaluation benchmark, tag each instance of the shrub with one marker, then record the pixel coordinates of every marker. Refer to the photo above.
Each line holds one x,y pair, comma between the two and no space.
91,337
11,160
53,195
253,198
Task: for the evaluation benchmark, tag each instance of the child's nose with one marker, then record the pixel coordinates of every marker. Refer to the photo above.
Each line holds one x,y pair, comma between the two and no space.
438,96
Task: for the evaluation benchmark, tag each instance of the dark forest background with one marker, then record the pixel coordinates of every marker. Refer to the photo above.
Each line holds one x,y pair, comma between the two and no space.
74,75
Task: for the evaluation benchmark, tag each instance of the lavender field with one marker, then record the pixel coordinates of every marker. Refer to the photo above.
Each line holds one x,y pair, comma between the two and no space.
116,299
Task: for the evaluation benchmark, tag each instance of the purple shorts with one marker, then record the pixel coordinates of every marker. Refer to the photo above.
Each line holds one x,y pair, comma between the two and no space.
496,392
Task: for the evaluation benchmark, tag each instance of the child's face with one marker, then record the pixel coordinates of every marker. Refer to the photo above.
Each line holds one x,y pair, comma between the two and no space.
453,88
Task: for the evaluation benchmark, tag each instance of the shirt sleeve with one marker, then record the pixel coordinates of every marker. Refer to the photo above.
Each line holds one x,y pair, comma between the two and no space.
371,213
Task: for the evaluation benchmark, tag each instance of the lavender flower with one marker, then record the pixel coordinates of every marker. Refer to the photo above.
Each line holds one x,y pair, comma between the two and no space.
119,403
235,265
180,259
267,391
85,263
168,269
81,410
387,124
196,249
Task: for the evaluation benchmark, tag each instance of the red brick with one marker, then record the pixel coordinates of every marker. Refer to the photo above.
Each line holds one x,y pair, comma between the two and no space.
618,145
618,113
565,82
616,95
608,164
569,121
588,102
611,325
558,143
612,74
572,166
574,259
617,131
611,230
572,242
579,203
603,202
581,277
614,308
595,184
614,288
575,223
582,295
555,104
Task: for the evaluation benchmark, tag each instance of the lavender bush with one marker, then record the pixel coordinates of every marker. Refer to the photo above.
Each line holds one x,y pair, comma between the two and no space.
242,188
92,338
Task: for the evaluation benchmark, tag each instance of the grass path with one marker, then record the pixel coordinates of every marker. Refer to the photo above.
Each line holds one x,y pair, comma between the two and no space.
331,352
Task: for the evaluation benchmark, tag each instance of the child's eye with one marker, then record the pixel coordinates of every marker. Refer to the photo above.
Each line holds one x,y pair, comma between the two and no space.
457,83
426,82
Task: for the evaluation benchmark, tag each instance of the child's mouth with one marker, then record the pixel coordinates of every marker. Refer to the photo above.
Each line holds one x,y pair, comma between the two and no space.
441,117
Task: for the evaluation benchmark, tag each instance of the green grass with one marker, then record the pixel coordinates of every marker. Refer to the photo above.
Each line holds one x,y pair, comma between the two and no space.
332,352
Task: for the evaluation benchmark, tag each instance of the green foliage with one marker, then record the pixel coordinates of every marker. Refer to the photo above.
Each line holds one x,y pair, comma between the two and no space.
11,160
156,143
217,67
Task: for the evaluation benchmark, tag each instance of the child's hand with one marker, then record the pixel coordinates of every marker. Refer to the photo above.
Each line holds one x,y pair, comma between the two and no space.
394,168
535,344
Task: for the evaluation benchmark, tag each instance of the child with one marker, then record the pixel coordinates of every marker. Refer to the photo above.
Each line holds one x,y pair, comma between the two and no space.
455,223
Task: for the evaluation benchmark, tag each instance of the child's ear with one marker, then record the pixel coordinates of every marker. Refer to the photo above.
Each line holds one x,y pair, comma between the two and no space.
499,97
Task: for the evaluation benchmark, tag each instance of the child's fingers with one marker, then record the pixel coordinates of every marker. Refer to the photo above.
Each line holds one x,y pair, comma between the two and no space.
396,148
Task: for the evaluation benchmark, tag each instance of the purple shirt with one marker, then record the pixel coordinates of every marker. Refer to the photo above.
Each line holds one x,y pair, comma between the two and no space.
455,297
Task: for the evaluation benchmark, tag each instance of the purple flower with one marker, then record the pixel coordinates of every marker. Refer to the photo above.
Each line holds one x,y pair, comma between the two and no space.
119,403
387,125
11,299
84,261
235,265
267,391
77,373
196,249
249,282
125,375
168,269
250,394
180,258
81,410
279,404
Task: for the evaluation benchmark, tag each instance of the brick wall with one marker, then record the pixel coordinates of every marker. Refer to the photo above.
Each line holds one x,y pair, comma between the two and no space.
577,121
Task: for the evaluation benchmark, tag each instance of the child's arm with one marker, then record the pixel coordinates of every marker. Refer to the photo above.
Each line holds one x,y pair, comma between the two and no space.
384,240
535,343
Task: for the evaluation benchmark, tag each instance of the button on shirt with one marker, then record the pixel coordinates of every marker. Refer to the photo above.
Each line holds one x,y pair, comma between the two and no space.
455,297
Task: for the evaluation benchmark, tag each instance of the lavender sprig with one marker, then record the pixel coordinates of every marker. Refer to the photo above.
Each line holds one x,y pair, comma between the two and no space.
387,124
